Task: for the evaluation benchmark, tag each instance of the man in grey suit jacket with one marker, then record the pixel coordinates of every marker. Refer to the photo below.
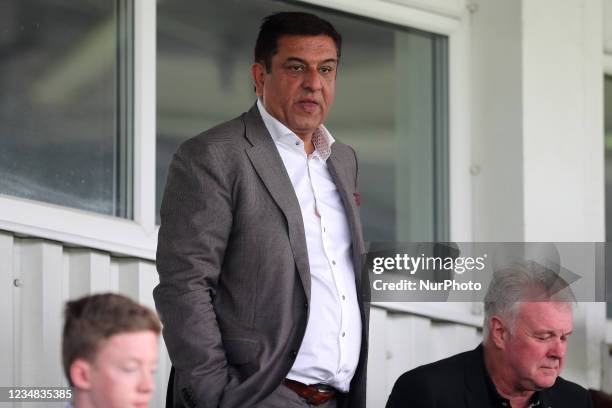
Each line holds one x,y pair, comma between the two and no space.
260,244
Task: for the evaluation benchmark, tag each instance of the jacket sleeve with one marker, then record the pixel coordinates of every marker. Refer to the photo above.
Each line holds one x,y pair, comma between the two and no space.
196,220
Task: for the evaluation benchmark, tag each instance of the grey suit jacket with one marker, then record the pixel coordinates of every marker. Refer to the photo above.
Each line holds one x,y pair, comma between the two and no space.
234,276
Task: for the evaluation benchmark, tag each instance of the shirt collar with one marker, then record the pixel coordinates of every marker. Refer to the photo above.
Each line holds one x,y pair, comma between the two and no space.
321,138
498,401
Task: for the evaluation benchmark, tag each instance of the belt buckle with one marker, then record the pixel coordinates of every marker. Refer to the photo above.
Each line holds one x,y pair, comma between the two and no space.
323,393
324,388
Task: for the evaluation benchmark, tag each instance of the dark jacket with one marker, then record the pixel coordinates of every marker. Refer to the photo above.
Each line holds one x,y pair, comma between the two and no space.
460,382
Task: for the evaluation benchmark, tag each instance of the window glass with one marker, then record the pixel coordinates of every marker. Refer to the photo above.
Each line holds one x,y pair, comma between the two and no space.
64,106
390,105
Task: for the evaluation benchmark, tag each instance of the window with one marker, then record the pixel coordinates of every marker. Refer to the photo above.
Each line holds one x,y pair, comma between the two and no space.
65,103
391,103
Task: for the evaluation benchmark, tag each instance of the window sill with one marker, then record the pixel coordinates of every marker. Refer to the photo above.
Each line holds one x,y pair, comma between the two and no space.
78,228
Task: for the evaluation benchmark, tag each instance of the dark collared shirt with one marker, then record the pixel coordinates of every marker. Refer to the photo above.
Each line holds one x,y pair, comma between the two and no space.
497,401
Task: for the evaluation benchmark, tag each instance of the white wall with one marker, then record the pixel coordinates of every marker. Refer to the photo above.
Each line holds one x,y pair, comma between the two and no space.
538,137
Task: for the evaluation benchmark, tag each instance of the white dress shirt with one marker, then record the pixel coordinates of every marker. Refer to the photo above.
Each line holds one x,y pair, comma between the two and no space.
330,349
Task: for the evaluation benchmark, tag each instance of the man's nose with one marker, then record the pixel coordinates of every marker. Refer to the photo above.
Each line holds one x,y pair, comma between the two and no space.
558,348
312,80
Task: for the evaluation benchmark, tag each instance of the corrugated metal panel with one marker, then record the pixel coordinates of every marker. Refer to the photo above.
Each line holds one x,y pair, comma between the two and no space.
400,342
8,353
50,274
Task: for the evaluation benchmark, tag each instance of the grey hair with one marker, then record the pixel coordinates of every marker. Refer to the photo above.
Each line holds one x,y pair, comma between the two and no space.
522,282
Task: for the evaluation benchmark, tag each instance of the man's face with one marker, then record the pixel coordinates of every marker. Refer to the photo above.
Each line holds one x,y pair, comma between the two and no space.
121,376
535,349
300,87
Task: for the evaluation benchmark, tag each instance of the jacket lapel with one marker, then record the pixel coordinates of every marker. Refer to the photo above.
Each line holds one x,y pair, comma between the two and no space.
334,165
269,166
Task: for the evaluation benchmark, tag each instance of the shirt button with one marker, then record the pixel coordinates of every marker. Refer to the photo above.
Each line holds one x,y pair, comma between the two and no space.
343,334
293,353
297,143
334,263
343,297
306,305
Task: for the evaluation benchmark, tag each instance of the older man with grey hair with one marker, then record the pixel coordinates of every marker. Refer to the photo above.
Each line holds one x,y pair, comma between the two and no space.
528,319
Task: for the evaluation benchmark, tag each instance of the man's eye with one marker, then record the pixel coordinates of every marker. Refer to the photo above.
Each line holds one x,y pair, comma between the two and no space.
296,68
326,70
543,337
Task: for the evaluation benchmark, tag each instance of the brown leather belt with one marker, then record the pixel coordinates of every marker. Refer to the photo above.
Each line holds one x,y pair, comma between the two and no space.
315,394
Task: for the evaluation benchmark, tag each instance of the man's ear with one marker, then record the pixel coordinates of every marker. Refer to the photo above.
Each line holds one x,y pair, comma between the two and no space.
498,332
80,374
258,74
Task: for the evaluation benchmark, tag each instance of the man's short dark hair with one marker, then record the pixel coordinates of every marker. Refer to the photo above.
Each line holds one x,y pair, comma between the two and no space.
93,319
290,23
